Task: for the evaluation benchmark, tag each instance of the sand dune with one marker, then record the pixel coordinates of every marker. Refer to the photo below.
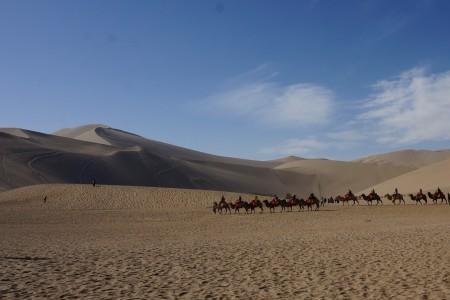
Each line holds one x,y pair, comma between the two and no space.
117,157
408,158
428,178
336,177
151,243
69,196
34,158
15,131
123,139
85,133
129,159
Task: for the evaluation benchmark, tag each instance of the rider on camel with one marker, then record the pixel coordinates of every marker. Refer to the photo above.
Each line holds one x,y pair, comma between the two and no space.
222,200
396,191
275,199
420,192
439,192
254,201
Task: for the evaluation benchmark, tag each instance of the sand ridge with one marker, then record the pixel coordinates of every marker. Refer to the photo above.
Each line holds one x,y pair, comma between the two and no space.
429,178
409,158
116,157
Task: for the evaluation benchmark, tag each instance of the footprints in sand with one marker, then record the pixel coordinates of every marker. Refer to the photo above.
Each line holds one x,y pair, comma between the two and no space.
111,255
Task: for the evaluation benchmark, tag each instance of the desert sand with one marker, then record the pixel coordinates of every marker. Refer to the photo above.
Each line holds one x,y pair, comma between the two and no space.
408,158
428,178
154,243
337,177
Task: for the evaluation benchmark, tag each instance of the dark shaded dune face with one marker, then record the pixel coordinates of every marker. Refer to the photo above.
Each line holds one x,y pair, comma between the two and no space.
118,138
117,157
123,139
243,178
131,160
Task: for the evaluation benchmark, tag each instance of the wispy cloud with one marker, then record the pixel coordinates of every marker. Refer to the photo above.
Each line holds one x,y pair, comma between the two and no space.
406,110
411,108
272,103
303,147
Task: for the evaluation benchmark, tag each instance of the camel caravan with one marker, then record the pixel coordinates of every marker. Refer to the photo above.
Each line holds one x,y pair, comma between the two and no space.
313,203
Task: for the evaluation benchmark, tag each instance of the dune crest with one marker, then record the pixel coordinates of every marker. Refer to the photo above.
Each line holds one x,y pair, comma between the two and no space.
408,158
117,157
428,178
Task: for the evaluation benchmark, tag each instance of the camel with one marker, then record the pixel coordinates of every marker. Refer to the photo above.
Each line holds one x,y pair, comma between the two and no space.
238,205
432,197
371,197
255,204
339,198
395,197
219,207
366,198
293,201
436,196
283,204
288,204
375,197
418,198
271,205
347,198
310,201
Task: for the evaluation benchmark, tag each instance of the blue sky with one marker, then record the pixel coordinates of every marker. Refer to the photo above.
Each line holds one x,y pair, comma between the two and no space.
253,79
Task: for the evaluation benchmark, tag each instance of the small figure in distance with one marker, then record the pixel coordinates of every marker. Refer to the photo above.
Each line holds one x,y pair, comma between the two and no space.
222,200
94,182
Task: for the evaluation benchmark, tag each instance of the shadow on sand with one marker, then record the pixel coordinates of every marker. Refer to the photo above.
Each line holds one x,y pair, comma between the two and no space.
24,258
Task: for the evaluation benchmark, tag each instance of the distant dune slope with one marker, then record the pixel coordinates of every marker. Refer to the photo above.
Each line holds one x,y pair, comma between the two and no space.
36,158
85,133
336,177
409,158
117,157
428,178
123,140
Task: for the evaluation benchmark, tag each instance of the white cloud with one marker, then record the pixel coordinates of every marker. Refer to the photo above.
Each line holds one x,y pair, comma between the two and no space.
267,101
296,147
346,136
411,108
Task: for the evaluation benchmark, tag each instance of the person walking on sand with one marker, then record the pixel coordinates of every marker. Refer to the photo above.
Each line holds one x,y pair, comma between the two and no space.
94,182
